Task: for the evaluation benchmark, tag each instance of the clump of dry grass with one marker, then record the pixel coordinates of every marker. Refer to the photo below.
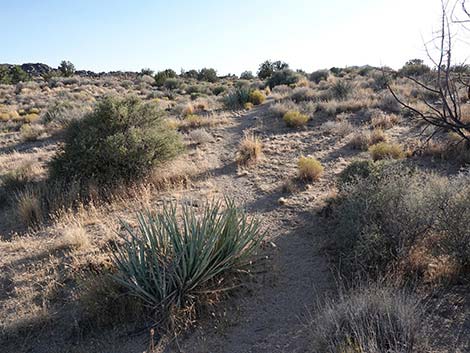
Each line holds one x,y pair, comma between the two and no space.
30,132
384,121
310,169
384,150
294,118
249,150
28,207
377,135
372,319
340,128
75,236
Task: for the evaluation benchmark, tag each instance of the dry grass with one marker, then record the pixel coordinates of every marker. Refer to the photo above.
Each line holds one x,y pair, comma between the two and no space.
75,236
295,119
384,150
310,169
383,121
249,150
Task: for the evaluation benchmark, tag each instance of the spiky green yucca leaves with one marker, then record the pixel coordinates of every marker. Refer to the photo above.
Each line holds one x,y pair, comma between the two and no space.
171,258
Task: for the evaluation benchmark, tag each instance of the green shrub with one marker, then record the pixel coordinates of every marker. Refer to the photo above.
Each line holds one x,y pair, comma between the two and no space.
171,260
320,75
162,76
381,219
238,97
172,83
209,75
257,97
294,118
283,77
247,75
66,68
13,75
268,68
358,170
415,67
121,140
370,319
218,90
384,150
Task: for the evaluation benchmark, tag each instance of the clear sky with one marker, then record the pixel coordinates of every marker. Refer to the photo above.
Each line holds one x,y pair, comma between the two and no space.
231,36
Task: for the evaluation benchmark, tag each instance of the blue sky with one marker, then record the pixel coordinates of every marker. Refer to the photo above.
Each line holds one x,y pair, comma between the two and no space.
231,36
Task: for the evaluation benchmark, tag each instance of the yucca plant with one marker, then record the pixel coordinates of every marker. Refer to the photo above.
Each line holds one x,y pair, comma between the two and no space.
172,258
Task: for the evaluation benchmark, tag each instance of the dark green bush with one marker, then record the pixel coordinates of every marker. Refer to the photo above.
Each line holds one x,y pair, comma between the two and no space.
209,75
283,77
415,67
247,75
13,75
121,140
268,68
162,76
320,75
66,68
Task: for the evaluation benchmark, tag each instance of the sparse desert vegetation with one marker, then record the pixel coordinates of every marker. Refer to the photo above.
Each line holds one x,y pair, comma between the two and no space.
164,211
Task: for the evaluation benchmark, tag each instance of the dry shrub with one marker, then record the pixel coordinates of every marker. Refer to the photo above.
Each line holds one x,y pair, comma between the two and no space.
372,319
310,169
200,136
294,118
340,128
383,121
361,140
384,150
278,110
249,150
376,136
30,132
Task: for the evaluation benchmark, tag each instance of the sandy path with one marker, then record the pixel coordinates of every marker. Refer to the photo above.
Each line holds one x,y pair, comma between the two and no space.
272,317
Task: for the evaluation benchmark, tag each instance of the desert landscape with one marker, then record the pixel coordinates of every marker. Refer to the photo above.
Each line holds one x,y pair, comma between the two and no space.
272,211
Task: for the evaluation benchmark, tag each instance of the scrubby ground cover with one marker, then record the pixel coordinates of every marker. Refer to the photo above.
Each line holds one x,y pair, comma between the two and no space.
100,248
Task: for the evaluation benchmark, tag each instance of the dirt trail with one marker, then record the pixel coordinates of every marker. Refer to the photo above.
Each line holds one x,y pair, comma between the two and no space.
272,318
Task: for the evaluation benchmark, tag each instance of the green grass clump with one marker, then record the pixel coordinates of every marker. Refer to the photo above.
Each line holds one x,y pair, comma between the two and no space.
171,260
120,141
384,150
238,97
294,118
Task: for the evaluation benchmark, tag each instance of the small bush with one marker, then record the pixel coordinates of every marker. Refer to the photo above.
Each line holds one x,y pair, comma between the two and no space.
28,207
171,260
257,97
341,89
376,136
200,136
248,106
320,75
283,77
361,140
358,170
249,150
121,140
294,118
384,150
238,97
30,133
17,179
310,169
371,319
